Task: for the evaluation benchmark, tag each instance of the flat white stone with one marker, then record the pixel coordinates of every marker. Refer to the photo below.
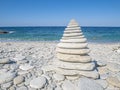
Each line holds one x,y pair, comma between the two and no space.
4,61
91,74
73,51
103,70
72,45
14,66
75,37
22,61
72,31
88,84
72,28
103,83
74,66
101,63
47,68
3,71
38,82
113,81
72,34
73,25
6,77
118,76
110,87
118,51
18,79
66,72
23,72
19,57
104,76
113,67
59,77
46,76
74,58
39,72
7,85
22,88
26,67
73,77
12,88
82,40
72,21
67,85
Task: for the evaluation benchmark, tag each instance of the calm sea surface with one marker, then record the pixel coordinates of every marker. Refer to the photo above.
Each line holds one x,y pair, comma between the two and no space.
93,34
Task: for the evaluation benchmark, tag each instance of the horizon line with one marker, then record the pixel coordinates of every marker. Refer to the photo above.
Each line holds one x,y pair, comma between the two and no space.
57,26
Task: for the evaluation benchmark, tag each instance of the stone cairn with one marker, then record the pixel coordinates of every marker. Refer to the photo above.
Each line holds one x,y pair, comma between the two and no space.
72,53
73,60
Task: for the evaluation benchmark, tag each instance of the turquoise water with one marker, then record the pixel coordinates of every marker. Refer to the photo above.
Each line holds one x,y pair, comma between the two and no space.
93,34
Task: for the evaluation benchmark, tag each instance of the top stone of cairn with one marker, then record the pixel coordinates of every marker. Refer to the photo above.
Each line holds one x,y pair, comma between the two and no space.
73,23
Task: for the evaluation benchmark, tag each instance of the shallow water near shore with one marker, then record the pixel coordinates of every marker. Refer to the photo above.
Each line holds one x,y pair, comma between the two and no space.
93,34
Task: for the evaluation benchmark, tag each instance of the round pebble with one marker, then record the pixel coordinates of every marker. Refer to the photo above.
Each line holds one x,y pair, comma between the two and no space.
38,82
18,79
59,77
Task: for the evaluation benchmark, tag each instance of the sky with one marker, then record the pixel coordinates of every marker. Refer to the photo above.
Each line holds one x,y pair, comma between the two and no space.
59,12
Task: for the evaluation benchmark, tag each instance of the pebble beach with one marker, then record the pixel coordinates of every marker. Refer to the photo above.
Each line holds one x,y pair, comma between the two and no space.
22,67
40,49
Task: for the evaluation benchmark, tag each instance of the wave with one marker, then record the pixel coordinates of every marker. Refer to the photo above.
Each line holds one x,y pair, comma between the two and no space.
11,31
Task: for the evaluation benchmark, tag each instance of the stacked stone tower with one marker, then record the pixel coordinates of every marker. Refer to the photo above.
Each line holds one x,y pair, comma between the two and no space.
72,53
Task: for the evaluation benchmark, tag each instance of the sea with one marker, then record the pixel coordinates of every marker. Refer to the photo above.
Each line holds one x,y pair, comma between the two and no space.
54,33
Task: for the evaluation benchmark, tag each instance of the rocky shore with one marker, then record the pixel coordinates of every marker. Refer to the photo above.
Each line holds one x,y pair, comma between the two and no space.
71,64
3,32
23,67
